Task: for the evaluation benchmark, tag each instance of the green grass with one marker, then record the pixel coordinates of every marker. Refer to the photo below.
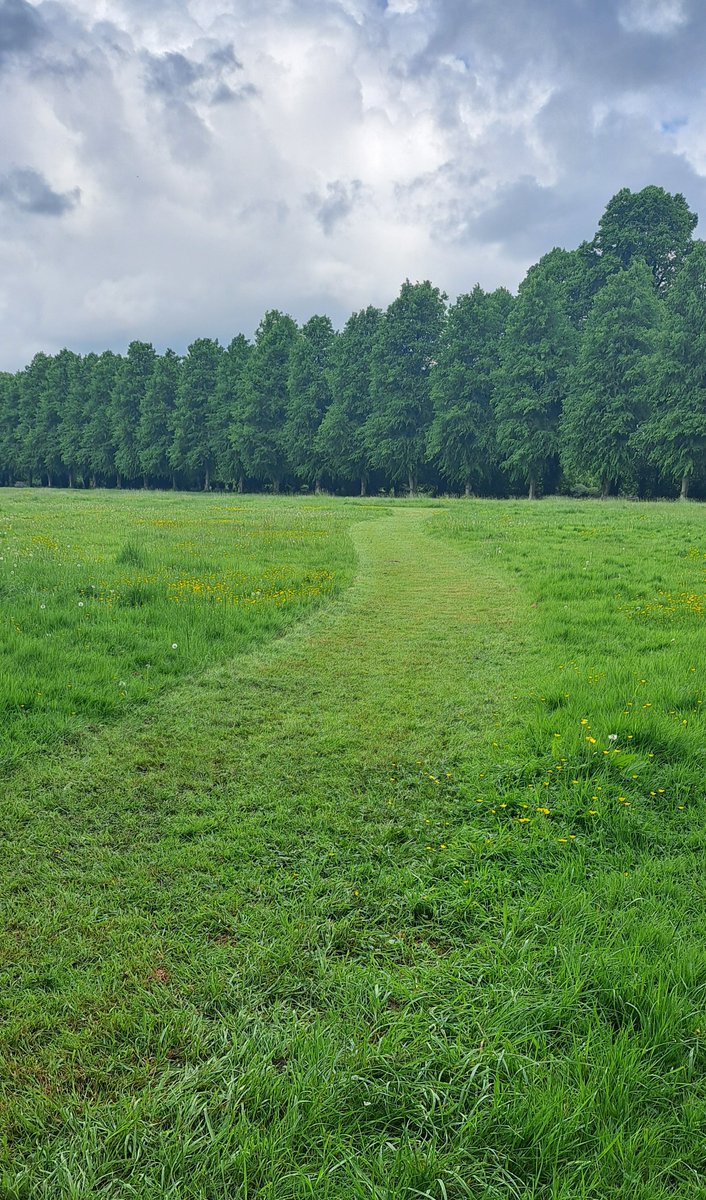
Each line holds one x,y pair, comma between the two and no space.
295,922
107,598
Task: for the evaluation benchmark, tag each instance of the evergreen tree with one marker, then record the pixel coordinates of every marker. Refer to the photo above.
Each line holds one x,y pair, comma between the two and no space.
609,390
652,225
258,428
461,438
128,394
33,418
154,429
577,275
9,426
73,419
230,376
97,442
340,440
191,450
674,435
309,395
404,353
537,350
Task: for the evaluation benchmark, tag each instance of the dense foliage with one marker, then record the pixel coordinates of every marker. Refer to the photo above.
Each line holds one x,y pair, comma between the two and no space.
592,377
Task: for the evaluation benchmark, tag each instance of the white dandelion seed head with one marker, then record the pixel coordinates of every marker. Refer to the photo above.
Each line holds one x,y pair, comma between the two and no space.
80,603
174,646
42,605
612,737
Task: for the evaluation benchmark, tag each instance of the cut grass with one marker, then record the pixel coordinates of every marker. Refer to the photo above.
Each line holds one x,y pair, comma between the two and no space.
301,925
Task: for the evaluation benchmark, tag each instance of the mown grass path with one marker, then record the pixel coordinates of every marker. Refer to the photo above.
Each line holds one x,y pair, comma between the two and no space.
264,943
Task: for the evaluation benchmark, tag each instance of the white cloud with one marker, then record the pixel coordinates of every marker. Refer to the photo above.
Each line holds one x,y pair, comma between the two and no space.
652,16
187,164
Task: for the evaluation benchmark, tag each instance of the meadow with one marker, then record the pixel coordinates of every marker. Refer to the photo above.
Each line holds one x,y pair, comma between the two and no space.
352,849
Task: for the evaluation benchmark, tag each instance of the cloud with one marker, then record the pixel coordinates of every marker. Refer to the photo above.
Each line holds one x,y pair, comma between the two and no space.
28,191
311,154
335,203
653,16
20,28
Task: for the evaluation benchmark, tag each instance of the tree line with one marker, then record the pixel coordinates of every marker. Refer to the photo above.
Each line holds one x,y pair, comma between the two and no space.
592,377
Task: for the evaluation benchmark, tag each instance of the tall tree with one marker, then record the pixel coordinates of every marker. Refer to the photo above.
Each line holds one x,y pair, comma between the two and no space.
191,449
74,417
155,424
537,351
230,378
128,393
674,435
33,417
258,428
461,438
309,395
405,350
98,442
9,426
340,439
609,392
652,225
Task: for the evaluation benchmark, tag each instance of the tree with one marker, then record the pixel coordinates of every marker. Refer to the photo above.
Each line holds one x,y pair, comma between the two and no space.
128,393
155,424
74,416
340,439
191,449
461,438
10,400
230,375
674,435
404,352
609,391
537,350
34,419
577,276
309,395
258,429
97,442
652,225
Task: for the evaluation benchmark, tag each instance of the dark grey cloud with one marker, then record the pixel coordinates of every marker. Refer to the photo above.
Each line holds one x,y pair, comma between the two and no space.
172,74
335,203
20,28
28,191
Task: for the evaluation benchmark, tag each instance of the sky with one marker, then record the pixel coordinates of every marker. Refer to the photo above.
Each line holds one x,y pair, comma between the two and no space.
171,169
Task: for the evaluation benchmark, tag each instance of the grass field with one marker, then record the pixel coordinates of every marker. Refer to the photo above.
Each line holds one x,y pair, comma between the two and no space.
408,902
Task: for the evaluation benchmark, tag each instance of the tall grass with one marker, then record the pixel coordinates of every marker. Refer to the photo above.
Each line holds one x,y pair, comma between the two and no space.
406,904
107,599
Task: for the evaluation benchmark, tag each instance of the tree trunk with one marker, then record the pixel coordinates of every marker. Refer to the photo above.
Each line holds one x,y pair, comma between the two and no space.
275,486
606,488
71,479
684,493
467,491
317,488
532,488
363,486
49,479
173,481
144,483
119,481
412,483
207,481
241,484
